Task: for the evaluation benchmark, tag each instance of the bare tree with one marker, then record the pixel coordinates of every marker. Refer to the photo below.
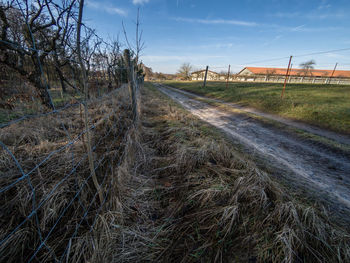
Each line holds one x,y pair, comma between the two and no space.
29,34
269,73
308,66
184,71
111,58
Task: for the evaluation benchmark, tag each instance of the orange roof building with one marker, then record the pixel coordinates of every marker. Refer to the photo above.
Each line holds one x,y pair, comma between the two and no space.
319,73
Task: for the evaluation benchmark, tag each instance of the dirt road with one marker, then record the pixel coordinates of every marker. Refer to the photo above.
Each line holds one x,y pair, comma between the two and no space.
321,172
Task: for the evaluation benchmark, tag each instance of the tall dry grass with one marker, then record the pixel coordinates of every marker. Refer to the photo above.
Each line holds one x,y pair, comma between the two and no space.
69,212
199,200
177,192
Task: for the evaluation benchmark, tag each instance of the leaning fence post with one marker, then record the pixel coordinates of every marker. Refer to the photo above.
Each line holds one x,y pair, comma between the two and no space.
287,74
205,77
131,83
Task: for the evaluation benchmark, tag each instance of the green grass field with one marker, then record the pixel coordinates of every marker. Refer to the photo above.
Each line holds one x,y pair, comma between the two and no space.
326,106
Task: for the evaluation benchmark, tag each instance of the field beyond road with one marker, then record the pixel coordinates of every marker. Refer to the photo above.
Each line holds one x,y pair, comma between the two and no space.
326,106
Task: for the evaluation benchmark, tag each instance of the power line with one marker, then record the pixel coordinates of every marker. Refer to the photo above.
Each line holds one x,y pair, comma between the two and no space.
287,57
323,52
303,55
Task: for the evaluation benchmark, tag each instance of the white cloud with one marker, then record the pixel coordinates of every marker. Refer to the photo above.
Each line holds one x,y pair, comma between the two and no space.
324,5
322,12
115,10
286,15
169,58
216,21
217,46
333,55
107,8
140,2
298,28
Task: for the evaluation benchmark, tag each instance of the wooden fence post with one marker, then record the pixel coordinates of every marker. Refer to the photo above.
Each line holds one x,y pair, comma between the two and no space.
205,77
287,74
228,76
330,79
131,83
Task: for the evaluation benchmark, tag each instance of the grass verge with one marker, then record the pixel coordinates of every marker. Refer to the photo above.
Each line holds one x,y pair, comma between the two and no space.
196,199
326,106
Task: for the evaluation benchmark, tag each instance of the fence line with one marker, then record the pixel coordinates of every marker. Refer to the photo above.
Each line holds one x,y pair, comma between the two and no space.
72,141
39,192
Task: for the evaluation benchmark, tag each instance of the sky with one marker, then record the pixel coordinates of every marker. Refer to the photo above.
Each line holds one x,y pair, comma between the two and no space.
217,33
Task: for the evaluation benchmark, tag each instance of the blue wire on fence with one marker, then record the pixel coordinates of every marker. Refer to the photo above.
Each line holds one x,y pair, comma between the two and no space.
43,242
71,141
97,213
67,106
4,189
85,214
31,116
65,210
51,192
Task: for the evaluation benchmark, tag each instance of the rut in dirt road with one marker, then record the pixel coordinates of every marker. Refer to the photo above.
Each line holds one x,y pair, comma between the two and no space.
321,171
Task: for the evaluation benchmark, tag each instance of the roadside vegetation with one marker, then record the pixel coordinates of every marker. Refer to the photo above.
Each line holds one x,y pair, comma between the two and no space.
193,197
326,106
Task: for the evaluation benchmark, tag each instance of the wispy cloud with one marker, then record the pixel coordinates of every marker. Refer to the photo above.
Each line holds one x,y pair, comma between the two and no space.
107,8
334,55
265,27
217,46
324,5
216,21
298,28
270,41
318,14
140,2
168,58
286,14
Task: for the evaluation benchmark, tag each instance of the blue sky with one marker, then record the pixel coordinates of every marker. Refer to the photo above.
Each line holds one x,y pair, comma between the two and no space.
219,33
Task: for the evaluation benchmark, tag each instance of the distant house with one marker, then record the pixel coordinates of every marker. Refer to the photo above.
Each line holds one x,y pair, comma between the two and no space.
259,74
199,75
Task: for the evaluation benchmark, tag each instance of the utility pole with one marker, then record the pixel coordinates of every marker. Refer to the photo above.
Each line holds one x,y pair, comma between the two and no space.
335,67
205,77
228,76
287,73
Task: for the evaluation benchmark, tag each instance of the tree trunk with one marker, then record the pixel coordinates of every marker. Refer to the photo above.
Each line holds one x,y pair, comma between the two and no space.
109,79
42,90
63,85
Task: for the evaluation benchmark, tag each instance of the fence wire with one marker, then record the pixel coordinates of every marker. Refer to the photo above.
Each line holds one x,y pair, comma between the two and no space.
43,194
37,203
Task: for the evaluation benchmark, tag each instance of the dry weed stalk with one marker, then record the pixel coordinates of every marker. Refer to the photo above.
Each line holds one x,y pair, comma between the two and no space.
61,179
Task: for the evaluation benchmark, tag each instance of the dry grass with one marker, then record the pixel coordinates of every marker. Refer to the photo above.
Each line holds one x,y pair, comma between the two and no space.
31,142
178,193
198,200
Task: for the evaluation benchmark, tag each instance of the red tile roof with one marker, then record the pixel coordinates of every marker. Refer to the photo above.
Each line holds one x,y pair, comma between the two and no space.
299,72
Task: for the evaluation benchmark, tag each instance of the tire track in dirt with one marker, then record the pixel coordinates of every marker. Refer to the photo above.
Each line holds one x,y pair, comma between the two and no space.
319,171
342,139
